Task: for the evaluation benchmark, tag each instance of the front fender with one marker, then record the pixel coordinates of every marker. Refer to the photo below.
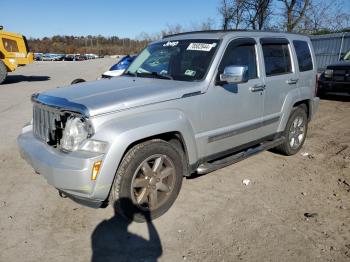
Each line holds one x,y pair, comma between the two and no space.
120,133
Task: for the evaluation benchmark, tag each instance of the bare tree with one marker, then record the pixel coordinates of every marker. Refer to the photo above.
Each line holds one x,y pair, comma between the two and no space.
233,13
226,12
172,29
341,22
324,16
238,10
294,11
208,24
258,13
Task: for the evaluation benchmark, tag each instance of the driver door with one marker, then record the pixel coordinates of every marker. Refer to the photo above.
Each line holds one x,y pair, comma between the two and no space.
232,112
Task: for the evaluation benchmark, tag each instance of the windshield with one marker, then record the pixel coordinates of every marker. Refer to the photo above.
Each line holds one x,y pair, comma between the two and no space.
184,60
347,56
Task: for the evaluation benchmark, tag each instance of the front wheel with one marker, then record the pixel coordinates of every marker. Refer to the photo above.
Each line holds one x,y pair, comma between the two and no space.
295,132
148,180
3,72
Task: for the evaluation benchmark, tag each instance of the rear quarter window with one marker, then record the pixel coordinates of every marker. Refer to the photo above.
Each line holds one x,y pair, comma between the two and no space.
277,59
303,55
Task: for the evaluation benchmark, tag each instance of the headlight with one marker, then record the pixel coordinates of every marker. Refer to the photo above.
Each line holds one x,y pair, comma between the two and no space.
94,146
328,73
75,132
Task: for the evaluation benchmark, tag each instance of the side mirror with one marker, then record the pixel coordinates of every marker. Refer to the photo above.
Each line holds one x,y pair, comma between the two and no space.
234,74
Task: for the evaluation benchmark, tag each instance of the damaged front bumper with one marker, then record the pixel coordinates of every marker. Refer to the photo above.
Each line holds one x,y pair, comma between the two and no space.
70,173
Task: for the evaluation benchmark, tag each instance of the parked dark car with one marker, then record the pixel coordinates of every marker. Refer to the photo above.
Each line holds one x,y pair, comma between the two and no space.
81,58
336,78
38,56
69,58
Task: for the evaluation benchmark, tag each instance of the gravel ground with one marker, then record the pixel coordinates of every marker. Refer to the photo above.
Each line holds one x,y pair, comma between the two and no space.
215,218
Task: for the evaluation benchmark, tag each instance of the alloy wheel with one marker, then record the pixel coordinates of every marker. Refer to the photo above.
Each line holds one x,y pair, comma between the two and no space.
153,182
297,132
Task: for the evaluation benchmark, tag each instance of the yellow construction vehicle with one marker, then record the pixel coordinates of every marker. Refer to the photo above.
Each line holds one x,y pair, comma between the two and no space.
14,52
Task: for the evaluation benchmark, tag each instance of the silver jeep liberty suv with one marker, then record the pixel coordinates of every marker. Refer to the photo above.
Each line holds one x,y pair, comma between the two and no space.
189,103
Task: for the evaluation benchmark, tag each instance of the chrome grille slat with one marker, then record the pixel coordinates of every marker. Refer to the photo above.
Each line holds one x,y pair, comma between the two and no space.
46,126
44,123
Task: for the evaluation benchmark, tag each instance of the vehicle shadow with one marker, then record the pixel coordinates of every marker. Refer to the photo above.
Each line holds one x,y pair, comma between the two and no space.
339,98
13,79
111,240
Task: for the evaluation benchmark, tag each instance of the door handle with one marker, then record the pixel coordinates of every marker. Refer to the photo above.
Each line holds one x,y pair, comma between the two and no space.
257,88
292,81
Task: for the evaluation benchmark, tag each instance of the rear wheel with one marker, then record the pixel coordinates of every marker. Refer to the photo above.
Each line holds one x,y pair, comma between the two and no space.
149,178
3,72
295,132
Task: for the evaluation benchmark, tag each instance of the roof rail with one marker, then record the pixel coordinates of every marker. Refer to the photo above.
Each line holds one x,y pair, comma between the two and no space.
227,31
204,31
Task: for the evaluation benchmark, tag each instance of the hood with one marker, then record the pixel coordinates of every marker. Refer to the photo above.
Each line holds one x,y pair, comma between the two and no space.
115,94
340,65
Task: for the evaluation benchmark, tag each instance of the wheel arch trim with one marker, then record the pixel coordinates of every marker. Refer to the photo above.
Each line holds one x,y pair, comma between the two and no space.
123,134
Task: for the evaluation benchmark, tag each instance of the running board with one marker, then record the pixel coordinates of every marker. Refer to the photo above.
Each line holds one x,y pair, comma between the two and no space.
212,166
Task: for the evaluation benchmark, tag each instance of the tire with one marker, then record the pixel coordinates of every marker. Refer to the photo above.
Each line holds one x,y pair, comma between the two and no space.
320,93
295,132
148,180
3,72
78,80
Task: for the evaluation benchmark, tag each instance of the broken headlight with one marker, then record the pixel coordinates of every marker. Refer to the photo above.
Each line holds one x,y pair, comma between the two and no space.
76,131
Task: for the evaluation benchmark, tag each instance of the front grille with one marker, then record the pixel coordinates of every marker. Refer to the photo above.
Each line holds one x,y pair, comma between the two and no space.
48,124
341,75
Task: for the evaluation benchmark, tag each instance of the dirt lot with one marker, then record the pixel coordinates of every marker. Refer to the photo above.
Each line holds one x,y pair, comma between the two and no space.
216,217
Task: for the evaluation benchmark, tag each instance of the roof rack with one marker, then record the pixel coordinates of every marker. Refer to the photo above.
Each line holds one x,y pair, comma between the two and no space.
204,31
225,31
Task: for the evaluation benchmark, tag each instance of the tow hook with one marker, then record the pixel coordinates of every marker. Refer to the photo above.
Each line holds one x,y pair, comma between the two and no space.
61,194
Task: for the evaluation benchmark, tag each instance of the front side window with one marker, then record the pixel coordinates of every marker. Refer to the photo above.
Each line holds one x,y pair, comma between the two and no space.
303,55
183,60
240,53
277,59
10,45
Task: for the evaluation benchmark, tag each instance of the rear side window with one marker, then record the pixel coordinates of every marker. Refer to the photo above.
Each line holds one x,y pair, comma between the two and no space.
277,59
10,45
303,54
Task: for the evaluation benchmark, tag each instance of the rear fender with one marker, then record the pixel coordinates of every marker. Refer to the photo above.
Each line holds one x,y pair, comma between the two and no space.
292,97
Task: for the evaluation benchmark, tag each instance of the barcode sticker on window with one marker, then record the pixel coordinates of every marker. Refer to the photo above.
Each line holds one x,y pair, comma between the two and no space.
201,47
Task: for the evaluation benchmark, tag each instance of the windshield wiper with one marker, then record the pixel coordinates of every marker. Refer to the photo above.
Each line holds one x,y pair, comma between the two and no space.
156,75
130,73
